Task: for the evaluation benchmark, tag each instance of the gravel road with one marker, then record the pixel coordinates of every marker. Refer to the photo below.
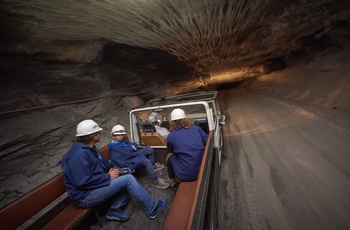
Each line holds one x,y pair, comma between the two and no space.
286,165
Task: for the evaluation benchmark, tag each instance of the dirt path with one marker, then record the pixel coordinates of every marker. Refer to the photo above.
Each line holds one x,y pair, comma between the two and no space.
286,165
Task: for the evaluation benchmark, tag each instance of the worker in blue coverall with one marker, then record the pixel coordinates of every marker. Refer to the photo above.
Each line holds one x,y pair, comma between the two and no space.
90,178
185,143
126,154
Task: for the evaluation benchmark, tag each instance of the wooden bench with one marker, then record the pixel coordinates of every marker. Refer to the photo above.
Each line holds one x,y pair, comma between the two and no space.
183,206
64,215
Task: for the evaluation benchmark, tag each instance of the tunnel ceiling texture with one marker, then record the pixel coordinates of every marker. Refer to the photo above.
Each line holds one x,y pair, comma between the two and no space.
215,37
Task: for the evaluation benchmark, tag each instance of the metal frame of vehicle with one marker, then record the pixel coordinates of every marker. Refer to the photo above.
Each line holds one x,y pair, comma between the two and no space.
202,107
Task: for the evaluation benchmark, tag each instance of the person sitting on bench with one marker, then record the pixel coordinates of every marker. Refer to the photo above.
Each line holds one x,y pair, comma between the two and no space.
186,144
126,154
156,119
90,178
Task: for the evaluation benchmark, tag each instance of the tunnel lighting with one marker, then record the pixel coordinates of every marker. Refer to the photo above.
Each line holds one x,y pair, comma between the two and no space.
230,75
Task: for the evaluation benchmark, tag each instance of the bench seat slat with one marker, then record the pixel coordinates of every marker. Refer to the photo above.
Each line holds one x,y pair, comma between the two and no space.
18,212
181,206
68,218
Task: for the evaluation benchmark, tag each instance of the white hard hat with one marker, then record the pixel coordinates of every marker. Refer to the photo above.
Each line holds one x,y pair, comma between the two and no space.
118,129
152,117
87,127
177,114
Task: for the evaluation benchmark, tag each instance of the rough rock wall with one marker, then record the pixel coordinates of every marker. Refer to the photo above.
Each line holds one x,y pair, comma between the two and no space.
70,71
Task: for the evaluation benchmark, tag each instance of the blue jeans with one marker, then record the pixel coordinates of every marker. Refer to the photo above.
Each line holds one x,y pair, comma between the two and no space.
149,153
119,189
148,162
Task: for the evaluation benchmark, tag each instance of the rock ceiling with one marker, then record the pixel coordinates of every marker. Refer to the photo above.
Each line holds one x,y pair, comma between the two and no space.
215,37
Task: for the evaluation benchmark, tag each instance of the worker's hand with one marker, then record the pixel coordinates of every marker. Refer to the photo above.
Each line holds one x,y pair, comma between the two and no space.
114,173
